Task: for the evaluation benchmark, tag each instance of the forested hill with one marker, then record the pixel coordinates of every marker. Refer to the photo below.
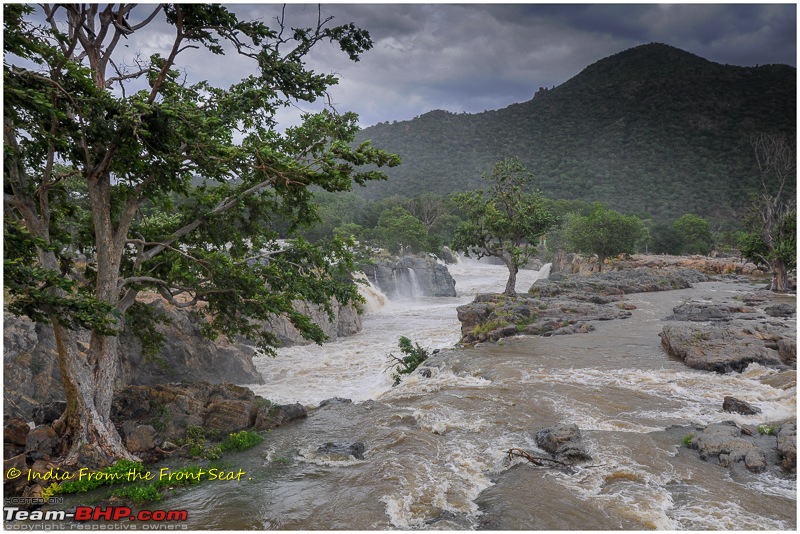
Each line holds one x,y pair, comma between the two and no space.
653,129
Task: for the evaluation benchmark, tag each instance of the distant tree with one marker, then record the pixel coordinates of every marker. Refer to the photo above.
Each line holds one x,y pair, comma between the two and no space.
400,232
504,222
604,232
428,208
772,236
666,239
695,234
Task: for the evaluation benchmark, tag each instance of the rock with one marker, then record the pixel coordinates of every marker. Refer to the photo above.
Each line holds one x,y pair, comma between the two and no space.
271,416
15,431
705,312
339,450
334,401
722,349
346,322
781,310
563,441
734,405
138,438
15,485
46,413
787,351
787,446
411,276
41,441
229,415
782,380
755,460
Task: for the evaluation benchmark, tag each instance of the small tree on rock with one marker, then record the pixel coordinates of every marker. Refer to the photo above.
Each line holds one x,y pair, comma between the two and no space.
504,222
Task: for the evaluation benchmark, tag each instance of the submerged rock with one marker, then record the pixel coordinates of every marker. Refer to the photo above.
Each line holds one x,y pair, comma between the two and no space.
564,442
339,451
732,404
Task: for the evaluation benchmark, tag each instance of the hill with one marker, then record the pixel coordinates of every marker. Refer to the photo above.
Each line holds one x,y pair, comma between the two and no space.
652,129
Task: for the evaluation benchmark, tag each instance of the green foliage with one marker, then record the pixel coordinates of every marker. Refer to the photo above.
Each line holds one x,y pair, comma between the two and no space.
397,229
666,239
505,222
414,355
115,474
604,232
652,129
150,185
242,440
768,430
695,234
687,439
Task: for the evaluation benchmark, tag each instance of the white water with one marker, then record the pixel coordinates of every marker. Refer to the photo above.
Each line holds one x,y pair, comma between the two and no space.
355,367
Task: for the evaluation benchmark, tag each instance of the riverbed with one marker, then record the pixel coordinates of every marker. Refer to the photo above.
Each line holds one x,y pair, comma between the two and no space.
435,447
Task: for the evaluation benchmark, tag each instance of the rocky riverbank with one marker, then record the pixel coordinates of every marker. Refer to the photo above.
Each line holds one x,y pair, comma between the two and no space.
565,304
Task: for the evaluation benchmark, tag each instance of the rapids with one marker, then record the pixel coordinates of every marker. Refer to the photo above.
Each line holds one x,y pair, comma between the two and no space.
435,447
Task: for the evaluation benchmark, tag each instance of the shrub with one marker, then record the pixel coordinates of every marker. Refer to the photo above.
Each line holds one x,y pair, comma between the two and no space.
414,355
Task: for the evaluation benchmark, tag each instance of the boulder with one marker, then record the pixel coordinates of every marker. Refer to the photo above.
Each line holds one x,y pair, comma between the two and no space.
564,442
340,451
787,446
734,405
781,310
41,442
722,349
15,432
138,438
229,415
271,416
731,445
410,277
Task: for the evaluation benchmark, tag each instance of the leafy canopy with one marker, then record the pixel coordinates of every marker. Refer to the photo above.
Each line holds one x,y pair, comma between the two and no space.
604,232
125,177
506,221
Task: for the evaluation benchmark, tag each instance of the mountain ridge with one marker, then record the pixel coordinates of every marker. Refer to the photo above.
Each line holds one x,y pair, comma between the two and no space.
652,129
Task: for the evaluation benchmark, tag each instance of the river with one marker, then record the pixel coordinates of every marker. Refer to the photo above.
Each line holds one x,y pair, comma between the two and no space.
435,447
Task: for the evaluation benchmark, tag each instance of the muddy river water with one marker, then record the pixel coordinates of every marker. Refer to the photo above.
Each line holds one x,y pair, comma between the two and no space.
435,447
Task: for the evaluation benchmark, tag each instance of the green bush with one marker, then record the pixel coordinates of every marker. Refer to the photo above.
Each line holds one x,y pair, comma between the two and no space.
414,355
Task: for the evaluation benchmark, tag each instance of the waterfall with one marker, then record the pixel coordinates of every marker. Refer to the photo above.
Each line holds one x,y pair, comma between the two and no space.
416,291
374,297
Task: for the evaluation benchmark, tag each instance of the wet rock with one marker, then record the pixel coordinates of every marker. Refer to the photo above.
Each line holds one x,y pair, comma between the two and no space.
411,274
731,446
722,349
706,312
781,310
339,450
787,446
755,460
334,401
564,442
271,416
787,351
734,405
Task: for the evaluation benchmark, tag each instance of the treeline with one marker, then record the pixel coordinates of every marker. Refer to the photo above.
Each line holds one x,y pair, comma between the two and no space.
428,222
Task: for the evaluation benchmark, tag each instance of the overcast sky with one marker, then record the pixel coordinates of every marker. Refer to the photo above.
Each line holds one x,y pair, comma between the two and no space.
469,58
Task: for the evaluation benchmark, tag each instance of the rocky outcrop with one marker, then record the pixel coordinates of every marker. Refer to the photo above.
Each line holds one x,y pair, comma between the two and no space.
728,444
728,336
346,321
411,276
720,348
169,409
564,304
578,264
32,376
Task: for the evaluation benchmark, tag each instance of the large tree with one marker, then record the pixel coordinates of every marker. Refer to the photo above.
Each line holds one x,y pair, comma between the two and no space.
504,222
772,220
123,177
604,232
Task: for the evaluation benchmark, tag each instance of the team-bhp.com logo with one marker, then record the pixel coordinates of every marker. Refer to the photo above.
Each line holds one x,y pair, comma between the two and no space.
86,514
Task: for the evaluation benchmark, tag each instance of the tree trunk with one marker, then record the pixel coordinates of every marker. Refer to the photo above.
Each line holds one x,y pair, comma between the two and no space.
89,438
779,276
511,284
600,260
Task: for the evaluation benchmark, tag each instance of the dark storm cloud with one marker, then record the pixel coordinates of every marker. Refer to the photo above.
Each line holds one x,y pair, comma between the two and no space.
468,58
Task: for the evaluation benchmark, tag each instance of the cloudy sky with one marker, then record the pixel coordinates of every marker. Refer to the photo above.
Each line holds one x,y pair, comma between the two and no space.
473,57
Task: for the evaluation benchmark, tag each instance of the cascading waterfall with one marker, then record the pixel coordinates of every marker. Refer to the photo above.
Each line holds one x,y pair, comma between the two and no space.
416,291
